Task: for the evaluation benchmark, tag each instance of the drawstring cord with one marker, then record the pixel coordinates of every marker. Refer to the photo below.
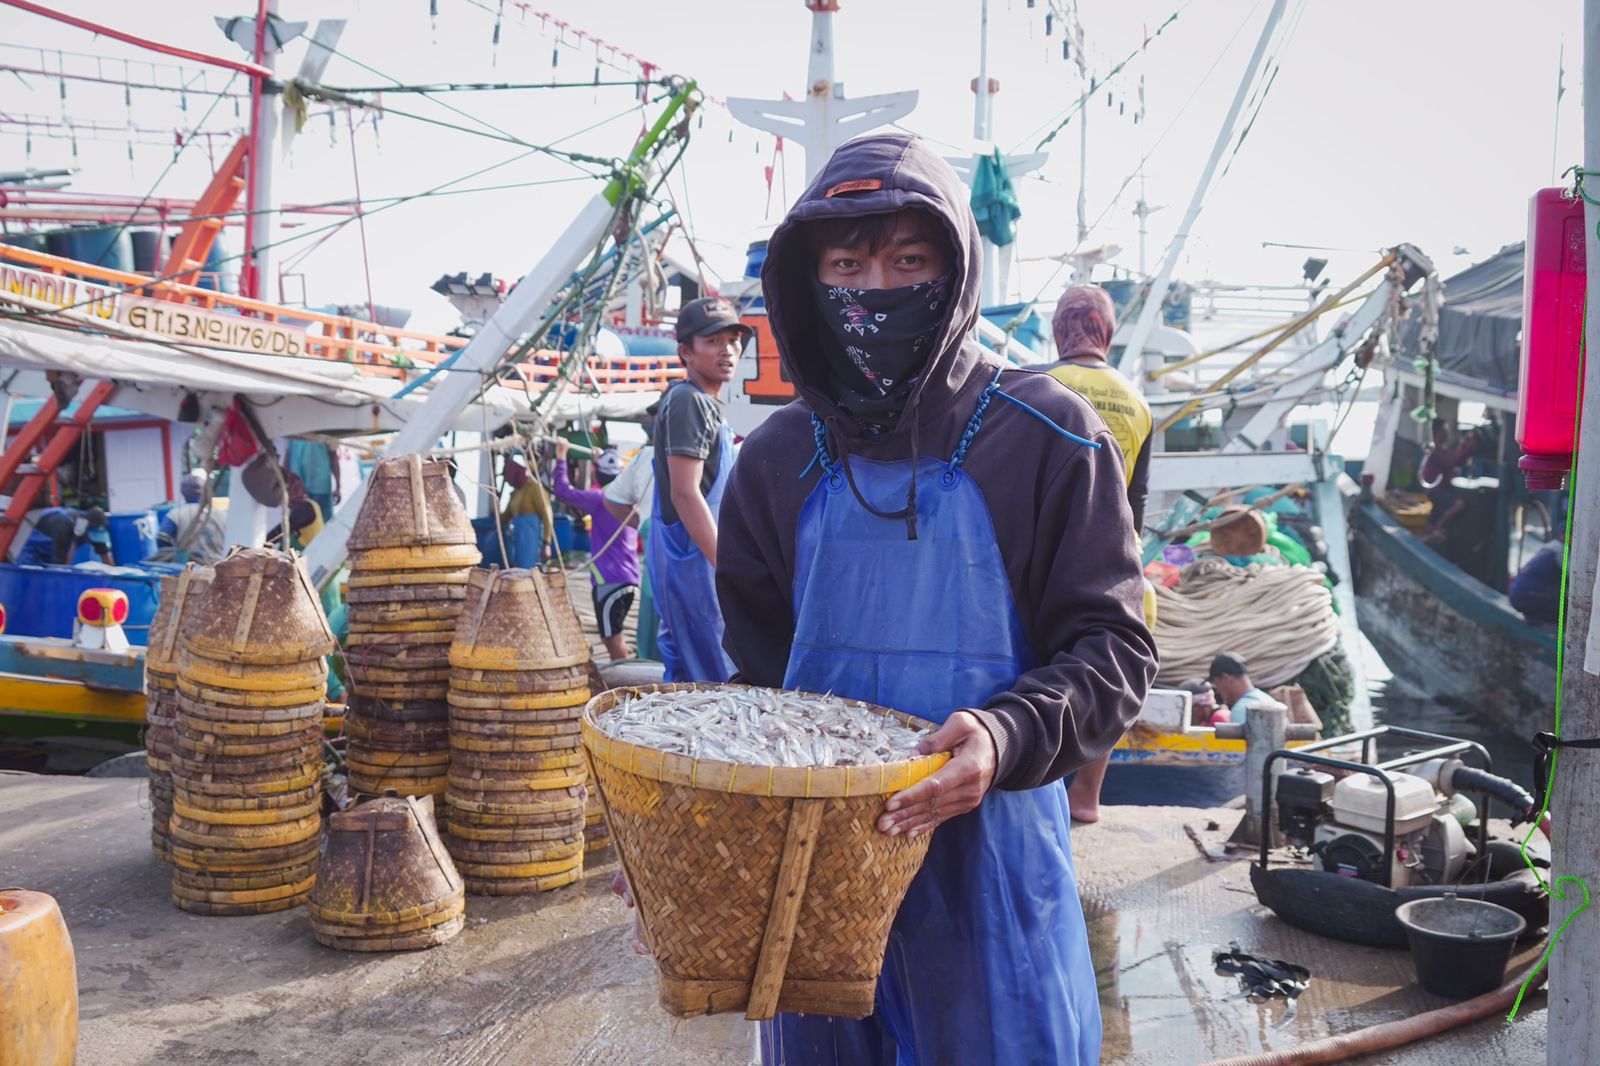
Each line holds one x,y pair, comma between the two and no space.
820,431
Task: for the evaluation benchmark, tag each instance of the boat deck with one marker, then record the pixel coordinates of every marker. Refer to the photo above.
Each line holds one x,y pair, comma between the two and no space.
551,980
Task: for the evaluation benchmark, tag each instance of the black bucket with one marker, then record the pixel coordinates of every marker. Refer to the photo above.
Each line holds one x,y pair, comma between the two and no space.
1460,946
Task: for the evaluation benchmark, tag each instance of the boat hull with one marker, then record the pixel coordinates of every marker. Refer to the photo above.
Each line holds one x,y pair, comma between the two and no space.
1446,633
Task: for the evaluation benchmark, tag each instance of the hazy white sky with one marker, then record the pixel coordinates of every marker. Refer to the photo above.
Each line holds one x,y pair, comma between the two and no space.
1428,122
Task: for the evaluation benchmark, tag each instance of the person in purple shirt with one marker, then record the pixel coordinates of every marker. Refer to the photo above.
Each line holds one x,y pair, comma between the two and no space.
614,566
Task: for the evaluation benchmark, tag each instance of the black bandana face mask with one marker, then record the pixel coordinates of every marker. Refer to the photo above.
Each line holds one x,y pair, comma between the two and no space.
881,338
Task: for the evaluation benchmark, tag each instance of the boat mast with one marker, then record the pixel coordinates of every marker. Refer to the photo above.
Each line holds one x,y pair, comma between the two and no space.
1129,363
993,286
1574,1014
257,261
825,119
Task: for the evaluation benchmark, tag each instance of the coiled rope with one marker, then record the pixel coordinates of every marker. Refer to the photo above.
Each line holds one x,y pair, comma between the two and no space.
1279,617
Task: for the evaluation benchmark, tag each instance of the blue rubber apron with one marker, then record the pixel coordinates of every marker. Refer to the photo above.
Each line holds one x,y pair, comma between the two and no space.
685,588
988,960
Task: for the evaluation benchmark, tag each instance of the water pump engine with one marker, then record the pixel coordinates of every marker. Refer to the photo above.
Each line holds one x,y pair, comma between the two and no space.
1342,822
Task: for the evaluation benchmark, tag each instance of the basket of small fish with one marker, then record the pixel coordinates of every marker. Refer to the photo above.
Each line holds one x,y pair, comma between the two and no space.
745,821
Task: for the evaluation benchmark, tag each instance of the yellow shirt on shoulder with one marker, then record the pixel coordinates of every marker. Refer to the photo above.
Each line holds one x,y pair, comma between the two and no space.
1125,412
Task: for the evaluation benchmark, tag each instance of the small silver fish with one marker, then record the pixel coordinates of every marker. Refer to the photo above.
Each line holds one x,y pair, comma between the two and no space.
761,726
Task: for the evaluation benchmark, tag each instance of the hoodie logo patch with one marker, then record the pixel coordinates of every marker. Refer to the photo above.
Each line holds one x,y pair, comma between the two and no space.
859,185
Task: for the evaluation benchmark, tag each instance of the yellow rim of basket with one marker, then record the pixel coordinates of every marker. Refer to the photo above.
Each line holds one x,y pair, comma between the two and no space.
744,778
431,557
526,781
416,625
254,679
257,817
374,579
477,658
239,697
497,872
534,701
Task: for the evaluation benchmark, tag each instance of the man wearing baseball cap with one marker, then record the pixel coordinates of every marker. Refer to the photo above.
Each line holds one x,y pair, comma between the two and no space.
693,454
1230,676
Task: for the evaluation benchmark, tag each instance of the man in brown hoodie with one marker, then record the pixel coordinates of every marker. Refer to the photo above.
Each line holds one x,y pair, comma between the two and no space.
927,529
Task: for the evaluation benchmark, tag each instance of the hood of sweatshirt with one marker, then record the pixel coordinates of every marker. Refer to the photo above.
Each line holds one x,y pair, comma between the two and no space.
875,174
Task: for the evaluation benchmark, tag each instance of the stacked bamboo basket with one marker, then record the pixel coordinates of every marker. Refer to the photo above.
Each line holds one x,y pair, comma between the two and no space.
518,685
385,881
411,550
247,759
161,694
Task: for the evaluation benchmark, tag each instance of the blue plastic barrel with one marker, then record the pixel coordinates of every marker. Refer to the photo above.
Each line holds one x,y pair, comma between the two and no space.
220,273
133,536
146,244
42,601
570,535
754,256
488,541
33,242
106,246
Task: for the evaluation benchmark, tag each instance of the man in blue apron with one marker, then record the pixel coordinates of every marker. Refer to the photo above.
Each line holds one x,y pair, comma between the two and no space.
929,529
693,454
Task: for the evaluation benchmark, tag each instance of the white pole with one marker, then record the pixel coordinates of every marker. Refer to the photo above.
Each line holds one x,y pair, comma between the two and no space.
1573,1024
1129,364
989,289
266,127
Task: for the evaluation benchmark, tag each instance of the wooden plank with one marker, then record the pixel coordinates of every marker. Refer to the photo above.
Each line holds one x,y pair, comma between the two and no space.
794,867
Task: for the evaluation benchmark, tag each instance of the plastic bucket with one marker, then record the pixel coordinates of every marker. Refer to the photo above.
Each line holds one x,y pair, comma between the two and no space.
133,536
1460,947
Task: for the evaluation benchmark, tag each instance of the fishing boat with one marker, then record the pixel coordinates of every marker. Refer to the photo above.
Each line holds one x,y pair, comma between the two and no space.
1447,594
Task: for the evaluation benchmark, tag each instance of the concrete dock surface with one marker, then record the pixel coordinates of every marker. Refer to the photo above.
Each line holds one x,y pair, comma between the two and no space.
552,979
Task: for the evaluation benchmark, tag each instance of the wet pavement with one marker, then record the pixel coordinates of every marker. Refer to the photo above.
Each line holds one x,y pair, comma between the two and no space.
551,979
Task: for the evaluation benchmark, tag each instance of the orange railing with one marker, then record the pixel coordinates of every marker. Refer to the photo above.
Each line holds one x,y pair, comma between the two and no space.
378,349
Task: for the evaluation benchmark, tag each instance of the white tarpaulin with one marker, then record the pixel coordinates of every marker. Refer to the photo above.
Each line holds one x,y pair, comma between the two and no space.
297,395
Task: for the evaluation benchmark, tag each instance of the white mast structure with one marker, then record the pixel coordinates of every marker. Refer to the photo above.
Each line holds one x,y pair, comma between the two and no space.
826,118
996,261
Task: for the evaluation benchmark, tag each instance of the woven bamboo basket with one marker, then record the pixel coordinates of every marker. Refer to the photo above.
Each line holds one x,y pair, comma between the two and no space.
398,712
761,889
519,682
412,557
261,610
180,593
517,620
410,502
384,873
412,589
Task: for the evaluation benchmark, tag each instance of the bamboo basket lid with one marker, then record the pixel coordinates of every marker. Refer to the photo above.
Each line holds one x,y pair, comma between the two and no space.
410,502
383,864
261,609
517,620
760,889
179,594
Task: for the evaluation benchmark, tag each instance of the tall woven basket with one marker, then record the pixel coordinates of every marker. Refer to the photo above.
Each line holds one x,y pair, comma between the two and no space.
761,889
